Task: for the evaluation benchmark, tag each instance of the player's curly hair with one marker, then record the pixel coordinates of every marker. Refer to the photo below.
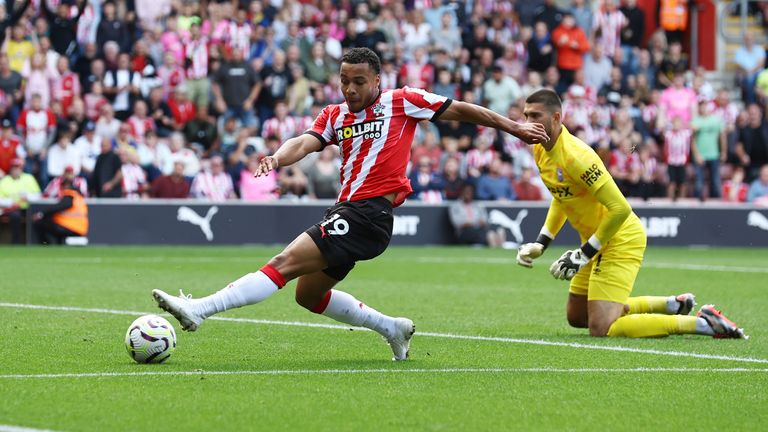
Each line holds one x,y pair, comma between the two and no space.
546,97
363,55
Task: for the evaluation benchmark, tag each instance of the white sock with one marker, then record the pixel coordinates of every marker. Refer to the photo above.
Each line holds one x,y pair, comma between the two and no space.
703,327
345,308
249,289
672,305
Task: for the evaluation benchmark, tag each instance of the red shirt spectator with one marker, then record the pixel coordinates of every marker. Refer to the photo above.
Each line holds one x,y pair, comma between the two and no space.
183,109
571,43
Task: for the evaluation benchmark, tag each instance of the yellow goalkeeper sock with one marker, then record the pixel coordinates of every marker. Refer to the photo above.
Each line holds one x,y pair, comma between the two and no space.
652,325
647,304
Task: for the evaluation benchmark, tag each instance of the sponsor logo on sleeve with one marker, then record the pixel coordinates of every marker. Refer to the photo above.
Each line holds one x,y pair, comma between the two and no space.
590,176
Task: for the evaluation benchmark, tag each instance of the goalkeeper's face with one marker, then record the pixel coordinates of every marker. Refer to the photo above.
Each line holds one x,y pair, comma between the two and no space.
540,113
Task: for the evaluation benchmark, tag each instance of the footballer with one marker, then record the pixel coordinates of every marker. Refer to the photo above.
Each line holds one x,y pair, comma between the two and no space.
602,271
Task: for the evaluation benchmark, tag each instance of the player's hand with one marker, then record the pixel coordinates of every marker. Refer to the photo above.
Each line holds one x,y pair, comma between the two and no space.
569,263
528,252
532,133
266,164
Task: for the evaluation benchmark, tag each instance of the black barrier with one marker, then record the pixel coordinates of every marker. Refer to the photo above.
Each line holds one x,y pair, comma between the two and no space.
190,222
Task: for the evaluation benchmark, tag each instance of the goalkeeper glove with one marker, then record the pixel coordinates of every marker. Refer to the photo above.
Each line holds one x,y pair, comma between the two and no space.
569,263
530,251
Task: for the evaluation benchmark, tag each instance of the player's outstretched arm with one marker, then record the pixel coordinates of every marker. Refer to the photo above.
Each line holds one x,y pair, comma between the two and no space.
289,153
466,112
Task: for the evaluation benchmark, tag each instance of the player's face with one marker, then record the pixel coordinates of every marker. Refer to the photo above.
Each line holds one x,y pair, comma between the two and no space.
359,85
538,113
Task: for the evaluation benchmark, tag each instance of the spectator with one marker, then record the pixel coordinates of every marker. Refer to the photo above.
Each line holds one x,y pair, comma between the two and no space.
181,108
67,218
319,66
571,43
677,147
282,125
607,26
214,183
418,72
480,157
752,142
372,37
494,185
179,152
582,13
678,101
597,68
470,221
615,89
673,19
709,149
262,188
447,36
633,33
323,176
196,58
540,49
500,91
453,182
524,187
89,147
173,185
201,132
416,32
37,126
549,14
122,85
625,167
16,190
11,17
134,179
170,74
735,189
10,84
55,186
18,48
37,80
673,64
160,112
293,182
106,179
112,29
750,59
10,147
427,185
63,26
63,155
758,190
236,88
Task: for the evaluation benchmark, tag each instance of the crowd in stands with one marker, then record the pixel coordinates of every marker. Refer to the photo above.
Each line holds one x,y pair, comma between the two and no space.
181,98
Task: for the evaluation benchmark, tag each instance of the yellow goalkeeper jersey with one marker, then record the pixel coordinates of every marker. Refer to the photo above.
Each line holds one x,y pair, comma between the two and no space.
573,173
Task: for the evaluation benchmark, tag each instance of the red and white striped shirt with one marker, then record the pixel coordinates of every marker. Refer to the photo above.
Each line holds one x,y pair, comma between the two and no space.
727,113
34,126
197,52
218,187
134,180
140,127
65,89
289,127
577,113
240,37
610,24
677,146
375,143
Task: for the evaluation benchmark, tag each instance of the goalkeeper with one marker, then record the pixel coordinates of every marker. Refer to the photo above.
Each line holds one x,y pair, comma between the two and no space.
602,271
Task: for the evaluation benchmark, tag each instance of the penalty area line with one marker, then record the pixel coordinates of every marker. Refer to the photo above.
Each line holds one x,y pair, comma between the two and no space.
379,371
509,340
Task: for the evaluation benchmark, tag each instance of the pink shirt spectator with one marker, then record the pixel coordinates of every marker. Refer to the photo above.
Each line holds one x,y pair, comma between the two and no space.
172,44
262,188
679,103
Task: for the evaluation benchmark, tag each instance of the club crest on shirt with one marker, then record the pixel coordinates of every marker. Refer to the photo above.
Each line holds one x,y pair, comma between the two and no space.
378,110
559,173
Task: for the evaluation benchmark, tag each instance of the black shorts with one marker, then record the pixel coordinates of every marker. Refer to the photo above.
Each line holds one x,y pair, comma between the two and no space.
676,173
353,231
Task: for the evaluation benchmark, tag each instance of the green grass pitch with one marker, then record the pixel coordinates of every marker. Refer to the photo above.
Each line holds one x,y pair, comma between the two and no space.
520,367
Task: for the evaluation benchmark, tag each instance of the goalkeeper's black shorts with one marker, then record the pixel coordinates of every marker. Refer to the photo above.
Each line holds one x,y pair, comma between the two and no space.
353,231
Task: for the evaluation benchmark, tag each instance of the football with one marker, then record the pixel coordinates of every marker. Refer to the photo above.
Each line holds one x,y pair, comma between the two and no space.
150,339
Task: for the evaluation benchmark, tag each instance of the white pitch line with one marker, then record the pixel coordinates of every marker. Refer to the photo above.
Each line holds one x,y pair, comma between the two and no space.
382,371
11,428
421,334
419,260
